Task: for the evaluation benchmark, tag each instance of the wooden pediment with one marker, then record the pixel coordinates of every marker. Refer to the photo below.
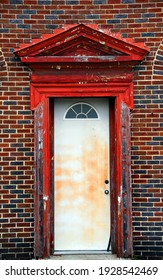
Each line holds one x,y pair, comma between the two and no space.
81,43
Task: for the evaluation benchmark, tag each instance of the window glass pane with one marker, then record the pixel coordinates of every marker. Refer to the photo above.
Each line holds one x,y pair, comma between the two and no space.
81,116
70,114
77,108
85,108
92,114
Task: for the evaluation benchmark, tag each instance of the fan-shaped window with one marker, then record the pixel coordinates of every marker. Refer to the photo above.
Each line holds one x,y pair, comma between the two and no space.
81,111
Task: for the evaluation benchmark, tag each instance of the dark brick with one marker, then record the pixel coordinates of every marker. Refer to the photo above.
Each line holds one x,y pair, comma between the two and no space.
16,240
4,250
24,26
23,256
159,233
23,215
17,172
9,130
16,191
51,17
16,21
158,138
51,26
24,121
3,220
23,16
29,220
149,15
141,228
148,243
24,112
17,163
155,228
4,30
44,2
24,196
113,21
72,2
121,16
16,145
9,205
10,103
16,201
99,2
16,210
18,182
24,149
139,20
155,238
9,187
58,12
92,16
23,245
8,256
147,214
140,171
16,1
159,57
128,1
30,12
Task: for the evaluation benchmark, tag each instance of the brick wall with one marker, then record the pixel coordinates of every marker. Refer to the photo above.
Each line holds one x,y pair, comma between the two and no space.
22,20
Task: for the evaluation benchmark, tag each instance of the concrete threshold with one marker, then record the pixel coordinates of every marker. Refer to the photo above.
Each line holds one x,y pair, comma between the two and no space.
84,256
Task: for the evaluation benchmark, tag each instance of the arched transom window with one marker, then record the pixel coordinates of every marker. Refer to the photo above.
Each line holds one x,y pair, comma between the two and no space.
81,110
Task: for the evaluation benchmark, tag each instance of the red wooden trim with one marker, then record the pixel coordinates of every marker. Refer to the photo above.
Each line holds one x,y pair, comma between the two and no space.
119,235
38,183
41,91
46,161
80,78
47,46
51,130
113,191
126,180
41,190
82,59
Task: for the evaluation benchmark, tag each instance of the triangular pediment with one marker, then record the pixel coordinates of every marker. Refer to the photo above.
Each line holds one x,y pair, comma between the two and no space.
76,41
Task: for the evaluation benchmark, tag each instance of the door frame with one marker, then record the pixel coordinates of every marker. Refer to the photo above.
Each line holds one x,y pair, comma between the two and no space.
44,96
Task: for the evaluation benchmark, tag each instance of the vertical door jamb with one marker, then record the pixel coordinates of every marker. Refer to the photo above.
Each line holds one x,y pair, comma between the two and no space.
51,132
113,205
123,182
119,237
42,180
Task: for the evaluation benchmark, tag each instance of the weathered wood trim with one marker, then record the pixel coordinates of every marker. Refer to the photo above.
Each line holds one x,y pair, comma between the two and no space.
42,182
123,90
126,181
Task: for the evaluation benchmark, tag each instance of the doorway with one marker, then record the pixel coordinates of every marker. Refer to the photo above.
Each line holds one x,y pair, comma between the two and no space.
82,174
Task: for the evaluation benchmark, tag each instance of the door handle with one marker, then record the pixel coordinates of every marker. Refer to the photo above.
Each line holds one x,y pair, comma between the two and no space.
106,192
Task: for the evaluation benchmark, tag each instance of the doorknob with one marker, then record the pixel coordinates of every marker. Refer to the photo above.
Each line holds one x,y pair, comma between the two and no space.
106,192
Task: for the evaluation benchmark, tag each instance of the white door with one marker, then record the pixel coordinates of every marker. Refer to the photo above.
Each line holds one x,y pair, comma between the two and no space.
82,202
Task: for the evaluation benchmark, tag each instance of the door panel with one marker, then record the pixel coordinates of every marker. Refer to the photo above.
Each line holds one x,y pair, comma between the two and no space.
82,209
